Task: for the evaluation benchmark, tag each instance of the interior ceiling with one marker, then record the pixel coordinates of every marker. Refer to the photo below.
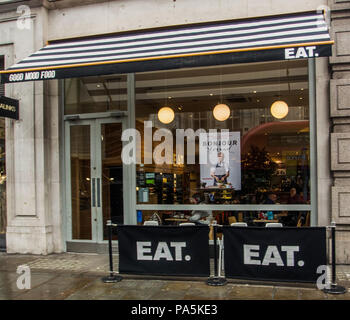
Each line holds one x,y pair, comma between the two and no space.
252,85
284,127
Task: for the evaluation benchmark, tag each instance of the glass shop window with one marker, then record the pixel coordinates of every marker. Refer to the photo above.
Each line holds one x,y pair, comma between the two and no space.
262,156
95,94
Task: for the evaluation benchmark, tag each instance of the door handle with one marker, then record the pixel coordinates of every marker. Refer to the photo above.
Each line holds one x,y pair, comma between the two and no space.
93,193
98,192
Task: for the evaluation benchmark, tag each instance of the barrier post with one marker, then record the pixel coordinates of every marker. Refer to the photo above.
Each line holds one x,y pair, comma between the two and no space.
217,279
334,288
112,277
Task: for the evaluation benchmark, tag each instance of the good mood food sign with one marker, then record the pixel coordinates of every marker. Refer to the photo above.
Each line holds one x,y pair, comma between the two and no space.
279,254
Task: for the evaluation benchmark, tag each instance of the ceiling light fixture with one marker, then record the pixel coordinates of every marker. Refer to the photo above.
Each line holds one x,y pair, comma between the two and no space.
279,109
166,115
221,112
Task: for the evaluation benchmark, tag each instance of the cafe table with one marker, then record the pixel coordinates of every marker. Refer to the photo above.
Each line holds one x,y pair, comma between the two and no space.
260,221
176,220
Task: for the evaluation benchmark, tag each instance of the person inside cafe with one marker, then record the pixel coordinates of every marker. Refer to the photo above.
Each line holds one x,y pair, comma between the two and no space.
271,198
199,216
293,216
294,197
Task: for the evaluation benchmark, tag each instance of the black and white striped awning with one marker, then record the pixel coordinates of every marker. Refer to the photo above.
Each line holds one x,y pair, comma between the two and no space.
292,36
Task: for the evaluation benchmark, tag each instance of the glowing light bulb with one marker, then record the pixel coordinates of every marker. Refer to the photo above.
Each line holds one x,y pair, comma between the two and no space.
279,109
221,112
166,115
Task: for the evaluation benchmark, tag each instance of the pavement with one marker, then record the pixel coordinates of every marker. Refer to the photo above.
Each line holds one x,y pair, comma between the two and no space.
71,276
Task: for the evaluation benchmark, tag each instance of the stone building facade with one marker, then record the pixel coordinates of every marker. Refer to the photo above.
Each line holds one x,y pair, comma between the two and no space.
339,65
35,146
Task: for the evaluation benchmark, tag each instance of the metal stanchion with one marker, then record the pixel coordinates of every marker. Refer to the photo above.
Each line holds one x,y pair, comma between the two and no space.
217,279
112,277
334,288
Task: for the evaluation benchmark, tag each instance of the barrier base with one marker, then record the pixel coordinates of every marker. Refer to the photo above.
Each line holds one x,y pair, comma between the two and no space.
335,289
216,281
112,279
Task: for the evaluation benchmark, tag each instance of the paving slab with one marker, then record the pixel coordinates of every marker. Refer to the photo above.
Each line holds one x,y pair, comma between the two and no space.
95,289
169,295
248,292
134,294
57,289
283,293
312,295
203,291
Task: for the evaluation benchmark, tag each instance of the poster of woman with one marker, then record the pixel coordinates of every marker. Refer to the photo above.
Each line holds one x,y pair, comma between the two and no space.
220,156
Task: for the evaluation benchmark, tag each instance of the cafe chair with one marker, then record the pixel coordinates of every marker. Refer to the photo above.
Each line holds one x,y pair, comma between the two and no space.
274,225
239,224
184,224
151,223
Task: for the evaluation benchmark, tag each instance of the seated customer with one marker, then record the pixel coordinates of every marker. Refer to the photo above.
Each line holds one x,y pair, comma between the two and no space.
197,215
271,198
295,198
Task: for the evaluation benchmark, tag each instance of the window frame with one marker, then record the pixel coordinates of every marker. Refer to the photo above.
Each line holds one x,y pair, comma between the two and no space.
312,207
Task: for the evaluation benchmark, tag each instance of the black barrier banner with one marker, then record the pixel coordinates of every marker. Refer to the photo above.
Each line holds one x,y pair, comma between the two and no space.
280,254
9,108
164,250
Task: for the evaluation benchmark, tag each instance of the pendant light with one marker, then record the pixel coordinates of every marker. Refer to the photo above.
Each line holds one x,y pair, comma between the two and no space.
166,115
279,109
221,111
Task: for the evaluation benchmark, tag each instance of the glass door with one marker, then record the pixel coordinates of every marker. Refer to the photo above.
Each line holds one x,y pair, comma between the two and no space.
79,175
94,177
110,204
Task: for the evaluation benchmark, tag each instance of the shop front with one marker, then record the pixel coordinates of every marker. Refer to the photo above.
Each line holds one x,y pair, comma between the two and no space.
214,117
269,170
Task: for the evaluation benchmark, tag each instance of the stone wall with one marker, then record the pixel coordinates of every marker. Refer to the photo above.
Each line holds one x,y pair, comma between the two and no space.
126,15
340,130
32,168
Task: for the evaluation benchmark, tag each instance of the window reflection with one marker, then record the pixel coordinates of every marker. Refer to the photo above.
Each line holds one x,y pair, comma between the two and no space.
274,153
95,94
251,218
